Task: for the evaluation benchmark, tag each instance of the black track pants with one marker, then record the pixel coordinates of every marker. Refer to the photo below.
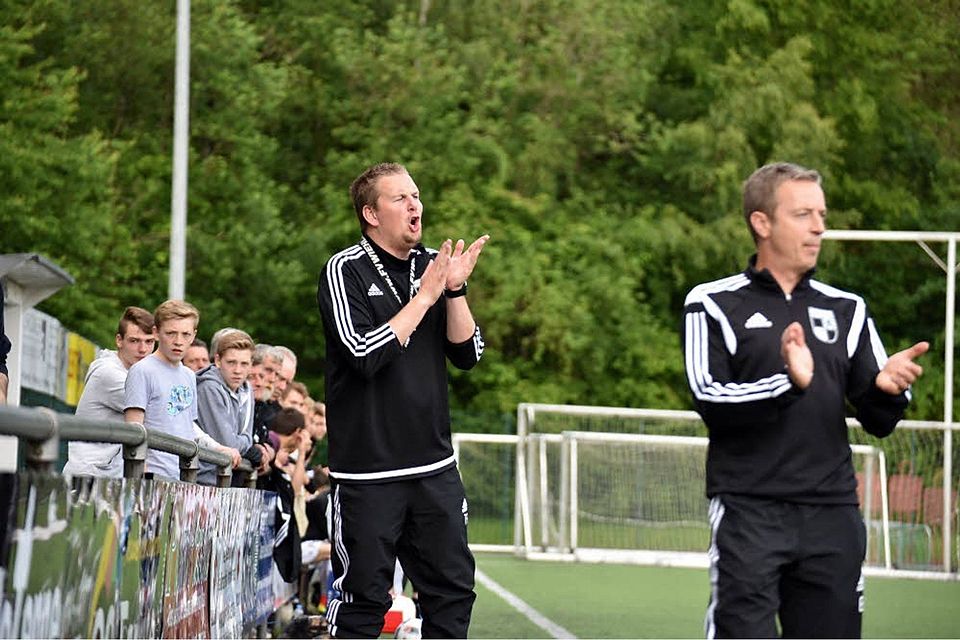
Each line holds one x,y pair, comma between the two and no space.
799,561
423,523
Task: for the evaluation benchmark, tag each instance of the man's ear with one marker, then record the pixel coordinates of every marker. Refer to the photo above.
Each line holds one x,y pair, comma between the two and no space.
119,340
760,222
370,215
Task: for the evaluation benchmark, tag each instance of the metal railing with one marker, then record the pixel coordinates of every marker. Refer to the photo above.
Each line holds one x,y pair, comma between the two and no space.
41,430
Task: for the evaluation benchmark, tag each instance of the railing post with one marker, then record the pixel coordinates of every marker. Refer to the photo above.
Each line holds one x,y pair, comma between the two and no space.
224,475
135,455
245,478
190,465
40,455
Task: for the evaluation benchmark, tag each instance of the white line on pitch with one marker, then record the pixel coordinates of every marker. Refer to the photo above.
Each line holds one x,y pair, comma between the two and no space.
534,616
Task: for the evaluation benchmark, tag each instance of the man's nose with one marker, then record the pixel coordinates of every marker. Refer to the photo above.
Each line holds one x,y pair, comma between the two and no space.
819,224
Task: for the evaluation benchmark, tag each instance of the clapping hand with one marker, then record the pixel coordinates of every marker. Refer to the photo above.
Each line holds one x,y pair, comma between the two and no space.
462,262
435,276
901,370
796,355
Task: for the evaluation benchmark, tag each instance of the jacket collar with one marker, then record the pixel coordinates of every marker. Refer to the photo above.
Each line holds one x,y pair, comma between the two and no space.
391,261
764,279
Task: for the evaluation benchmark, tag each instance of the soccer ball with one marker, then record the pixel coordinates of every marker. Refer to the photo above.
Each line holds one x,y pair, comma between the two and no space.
401,610
409,629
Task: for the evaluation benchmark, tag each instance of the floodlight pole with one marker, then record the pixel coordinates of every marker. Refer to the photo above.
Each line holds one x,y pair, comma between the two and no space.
948,400
181,132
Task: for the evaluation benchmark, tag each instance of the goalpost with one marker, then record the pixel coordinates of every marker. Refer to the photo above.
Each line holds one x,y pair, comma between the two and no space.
635,497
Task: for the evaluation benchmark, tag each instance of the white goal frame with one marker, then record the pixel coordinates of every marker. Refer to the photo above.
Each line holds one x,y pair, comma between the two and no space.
572,438
531,488
949,266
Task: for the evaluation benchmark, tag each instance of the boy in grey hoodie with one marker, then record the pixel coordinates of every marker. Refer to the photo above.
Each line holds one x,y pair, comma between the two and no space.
102,397
224,398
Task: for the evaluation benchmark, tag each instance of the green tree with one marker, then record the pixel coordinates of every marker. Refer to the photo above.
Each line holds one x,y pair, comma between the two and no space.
602,146
57,186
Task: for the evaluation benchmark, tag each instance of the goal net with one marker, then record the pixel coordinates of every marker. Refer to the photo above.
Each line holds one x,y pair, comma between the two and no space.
487,464
635,494
606,484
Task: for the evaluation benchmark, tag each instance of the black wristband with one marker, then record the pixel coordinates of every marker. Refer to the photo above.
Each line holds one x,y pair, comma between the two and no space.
456,293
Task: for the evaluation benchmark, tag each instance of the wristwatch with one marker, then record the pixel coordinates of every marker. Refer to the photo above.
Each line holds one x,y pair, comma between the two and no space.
456,293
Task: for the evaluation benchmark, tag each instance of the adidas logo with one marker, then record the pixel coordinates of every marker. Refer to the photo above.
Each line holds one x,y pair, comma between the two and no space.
374,290
757,321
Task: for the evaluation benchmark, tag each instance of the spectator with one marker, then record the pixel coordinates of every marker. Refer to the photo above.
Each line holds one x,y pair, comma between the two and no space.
294,396
317,426
160,392
197,357
266,408
225,401
257,376
4,350
272,363
285,478
287,371
318,478
215,338
307,408
393,313
103,394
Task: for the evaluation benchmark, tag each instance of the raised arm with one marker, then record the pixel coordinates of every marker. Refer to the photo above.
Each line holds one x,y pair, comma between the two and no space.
431,288
460,323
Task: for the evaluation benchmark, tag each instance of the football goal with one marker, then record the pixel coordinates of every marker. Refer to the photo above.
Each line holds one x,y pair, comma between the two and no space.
608,484
627,485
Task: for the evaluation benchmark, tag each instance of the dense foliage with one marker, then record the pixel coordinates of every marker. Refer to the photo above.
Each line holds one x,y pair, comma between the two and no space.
601,144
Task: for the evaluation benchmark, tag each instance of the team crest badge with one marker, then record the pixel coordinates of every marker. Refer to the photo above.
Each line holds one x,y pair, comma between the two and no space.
824,324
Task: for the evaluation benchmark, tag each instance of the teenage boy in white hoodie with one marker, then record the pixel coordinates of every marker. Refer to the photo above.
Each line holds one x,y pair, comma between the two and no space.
102,397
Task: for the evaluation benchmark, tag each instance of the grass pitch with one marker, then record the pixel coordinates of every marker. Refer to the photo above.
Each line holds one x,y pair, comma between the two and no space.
625,601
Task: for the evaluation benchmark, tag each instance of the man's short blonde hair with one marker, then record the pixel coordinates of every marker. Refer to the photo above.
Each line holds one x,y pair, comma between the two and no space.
175,310
234,339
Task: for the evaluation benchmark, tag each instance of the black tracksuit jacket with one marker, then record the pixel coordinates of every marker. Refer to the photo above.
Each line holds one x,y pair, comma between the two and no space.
387,405
767,437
